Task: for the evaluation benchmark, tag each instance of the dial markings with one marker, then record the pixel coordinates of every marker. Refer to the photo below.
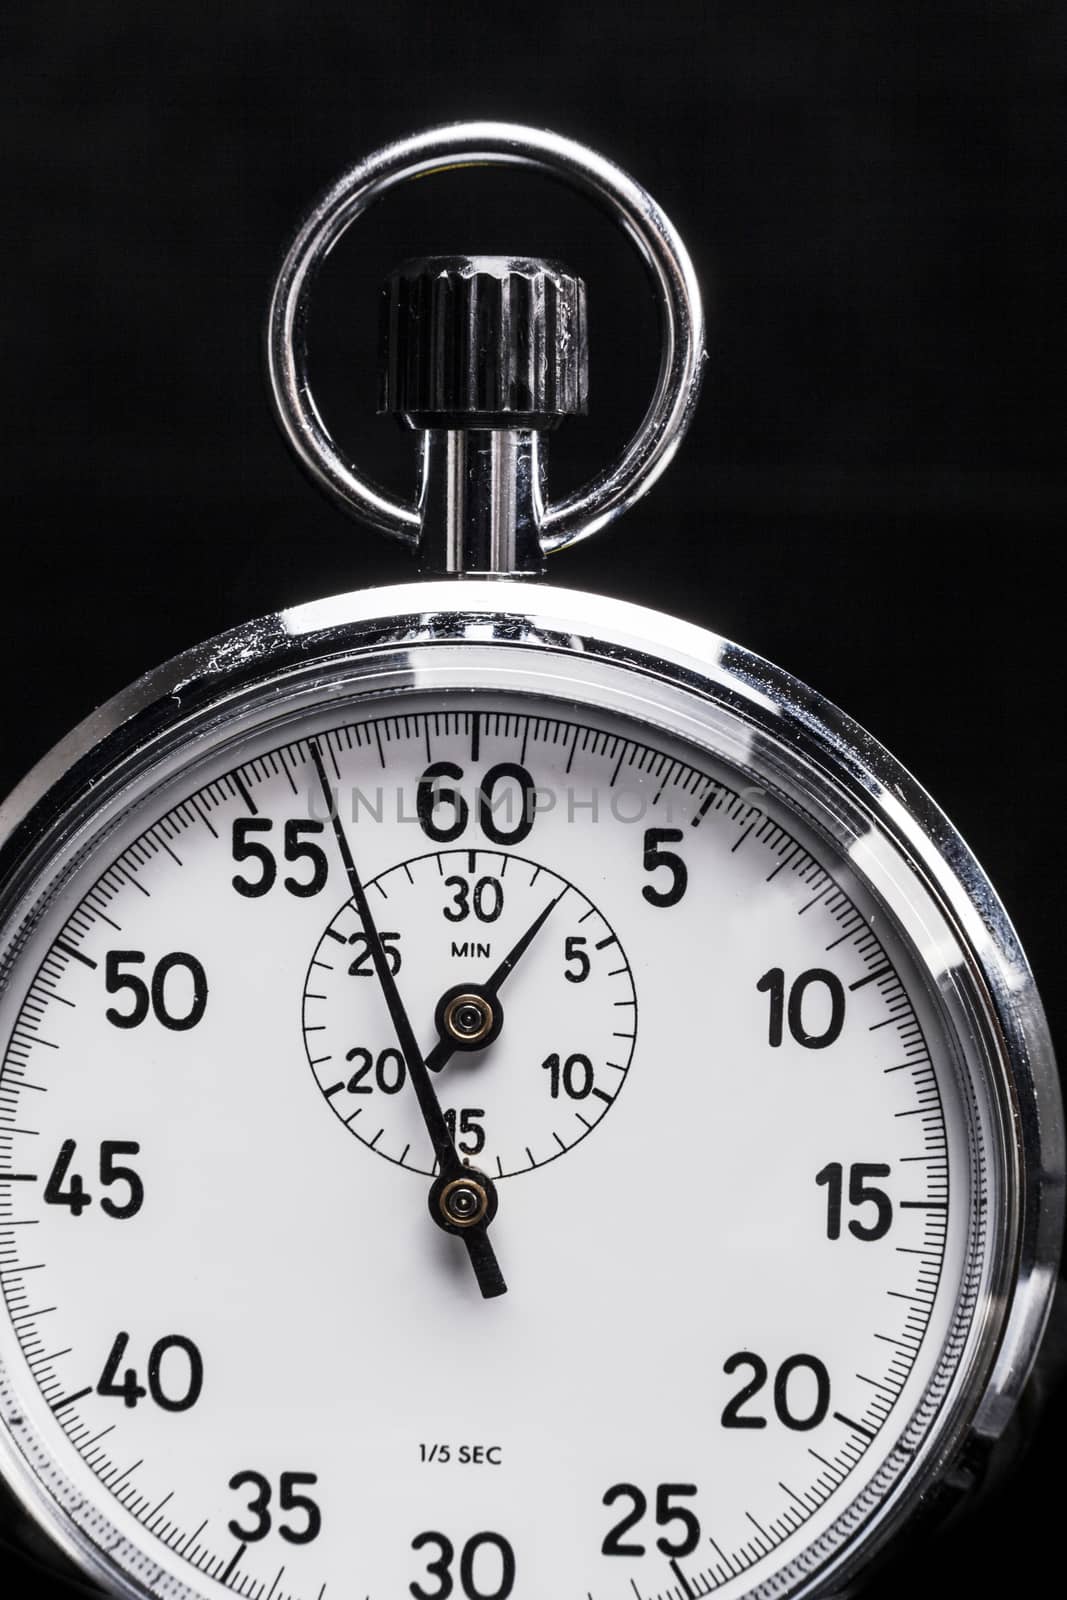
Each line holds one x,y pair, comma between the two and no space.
113,1483
78,955
683,1581
817,897
71,1399
874,977
474,878
235,1561
857,1427
193,1537
244,793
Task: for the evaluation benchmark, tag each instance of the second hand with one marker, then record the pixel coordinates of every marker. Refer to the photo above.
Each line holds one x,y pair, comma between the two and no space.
453,1172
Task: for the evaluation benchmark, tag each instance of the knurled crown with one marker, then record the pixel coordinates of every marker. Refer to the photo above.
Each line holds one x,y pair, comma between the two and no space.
483,341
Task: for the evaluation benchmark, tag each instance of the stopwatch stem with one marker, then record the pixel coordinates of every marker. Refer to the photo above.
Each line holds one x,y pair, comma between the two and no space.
481,501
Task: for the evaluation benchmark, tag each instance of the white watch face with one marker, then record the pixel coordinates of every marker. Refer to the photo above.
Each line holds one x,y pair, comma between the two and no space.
740,1165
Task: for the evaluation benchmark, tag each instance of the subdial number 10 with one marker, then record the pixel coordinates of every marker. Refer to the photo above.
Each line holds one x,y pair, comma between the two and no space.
574,1075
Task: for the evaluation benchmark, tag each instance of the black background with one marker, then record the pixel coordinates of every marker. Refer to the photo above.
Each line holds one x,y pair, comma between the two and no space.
872,494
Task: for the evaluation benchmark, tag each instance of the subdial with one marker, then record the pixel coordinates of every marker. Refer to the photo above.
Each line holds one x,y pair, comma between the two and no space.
520,995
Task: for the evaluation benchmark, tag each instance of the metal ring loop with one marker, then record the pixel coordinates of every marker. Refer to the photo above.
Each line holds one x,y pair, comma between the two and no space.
493,144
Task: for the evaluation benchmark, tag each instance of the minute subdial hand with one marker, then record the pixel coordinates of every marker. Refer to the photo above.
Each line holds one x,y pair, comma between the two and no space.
483,995
457,1187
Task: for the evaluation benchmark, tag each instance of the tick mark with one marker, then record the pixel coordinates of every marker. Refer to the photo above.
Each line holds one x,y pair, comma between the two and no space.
742,839
69,950
243,790
680,1575
193,1537
872,977
234,1564
276,1582
705,807
857,1427
71,1399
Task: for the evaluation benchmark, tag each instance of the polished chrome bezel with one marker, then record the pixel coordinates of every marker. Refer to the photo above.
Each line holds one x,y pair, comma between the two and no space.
678,678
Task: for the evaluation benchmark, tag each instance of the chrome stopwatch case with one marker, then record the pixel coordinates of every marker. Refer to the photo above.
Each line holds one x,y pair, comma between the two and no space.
503,1092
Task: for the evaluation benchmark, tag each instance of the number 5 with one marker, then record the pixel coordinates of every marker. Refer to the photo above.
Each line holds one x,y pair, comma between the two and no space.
655,856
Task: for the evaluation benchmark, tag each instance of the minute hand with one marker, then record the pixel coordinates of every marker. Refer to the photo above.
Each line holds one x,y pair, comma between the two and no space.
522,945
445,1048
483,1259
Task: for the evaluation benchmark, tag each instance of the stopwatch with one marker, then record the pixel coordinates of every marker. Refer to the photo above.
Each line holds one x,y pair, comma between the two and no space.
503,1092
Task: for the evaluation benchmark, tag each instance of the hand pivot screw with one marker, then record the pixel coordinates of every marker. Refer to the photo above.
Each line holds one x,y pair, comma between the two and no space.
463,1202
469,1018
